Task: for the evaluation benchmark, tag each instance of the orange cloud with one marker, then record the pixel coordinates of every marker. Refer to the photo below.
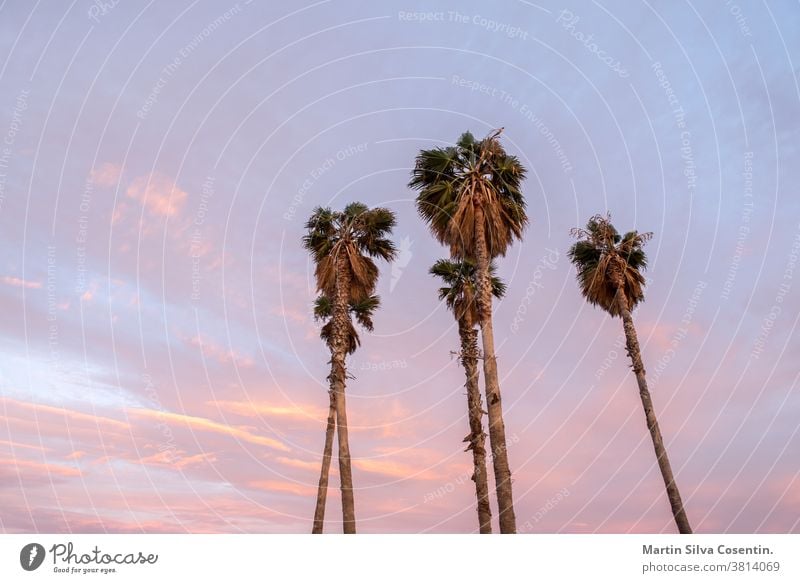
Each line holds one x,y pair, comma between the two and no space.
296,463
15,445
66,413
107,174
159,195
17,282
288,487
394,469
203,424
28,466
262,409
178,459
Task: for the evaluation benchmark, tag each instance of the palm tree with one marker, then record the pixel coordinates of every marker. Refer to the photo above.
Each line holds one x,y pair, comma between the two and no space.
610,276
323,311
343,245
469,194
459,295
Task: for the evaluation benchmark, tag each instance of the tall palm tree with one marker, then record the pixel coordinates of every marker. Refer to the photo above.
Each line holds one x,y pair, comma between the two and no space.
610,276
459,295
343,245
323,311
469,194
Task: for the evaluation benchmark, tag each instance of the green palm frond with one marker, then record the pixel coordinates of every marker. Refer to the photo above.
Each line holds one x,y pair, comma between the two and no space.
356,235
362,311
460,289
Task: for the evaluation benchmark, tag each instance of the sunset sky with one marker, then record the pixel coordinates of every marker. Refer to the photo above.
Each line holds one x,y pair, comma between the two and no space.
160,368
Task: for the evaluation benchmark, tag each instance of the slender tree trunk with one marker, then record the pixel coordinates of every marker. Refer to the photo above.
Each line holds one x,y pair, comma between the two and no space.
327,453
338,374
497,430
476,437
652,422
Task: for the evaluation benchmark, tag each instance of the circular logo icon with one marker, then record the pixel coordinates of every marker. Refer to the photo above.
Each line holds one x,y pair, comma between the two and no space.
31,556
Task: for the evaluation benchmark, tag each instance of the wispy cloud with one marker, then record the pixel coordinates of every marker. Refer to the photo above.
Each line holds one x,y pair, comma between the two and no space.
27,466
178,459
262,409
70,414
285,486
212,349
17,282
203,424
298,463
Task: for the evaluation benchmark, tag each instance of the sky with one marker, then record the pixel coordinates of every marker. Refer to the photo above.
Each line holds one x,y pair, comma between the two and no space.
160,367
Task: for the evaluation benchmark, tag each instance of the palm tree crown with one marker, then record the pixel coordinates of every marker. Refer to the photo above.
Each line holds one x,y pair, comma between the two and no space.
362,311
459,291
359,234
453,181
607,261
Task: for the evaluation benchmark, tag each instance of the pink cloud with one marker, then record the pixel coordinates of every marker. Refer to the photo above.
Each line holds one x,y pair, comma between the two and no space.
178,459
17,282
286,487
15,445
69,414
211,349
27,466
160,195
108,174
416,464
203,424
297,463
263,409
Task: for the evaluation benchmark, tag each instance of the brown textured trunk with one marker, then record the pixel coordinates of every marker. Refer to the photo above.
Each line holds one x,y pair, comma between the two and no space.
338,374
652,422
497,431
327,453
476,437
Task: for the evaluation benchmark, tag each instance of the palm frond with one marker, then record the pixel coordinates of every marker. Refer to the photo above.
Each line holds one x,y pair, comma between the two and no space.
453,181
601,257
460,289
343,245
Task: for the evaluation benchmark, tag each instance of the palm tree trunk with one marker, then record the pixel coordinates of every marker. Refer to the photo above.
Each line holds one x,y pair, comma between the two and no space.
497,430
338,374
652,422
476,437
327,453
